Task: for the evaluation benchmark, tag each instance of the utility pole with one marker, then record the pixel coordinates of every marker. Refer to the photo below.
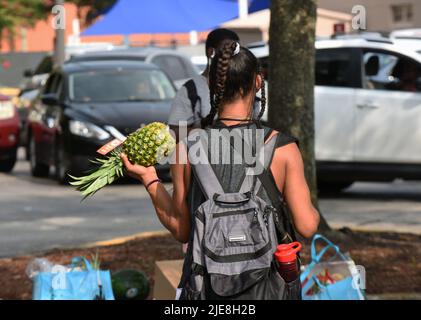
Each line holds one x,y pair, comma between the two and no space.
59,23
243,9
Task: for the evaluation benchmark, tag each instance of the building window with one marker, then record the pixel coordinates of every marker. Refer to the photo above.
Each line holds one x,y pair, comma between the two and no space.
402,13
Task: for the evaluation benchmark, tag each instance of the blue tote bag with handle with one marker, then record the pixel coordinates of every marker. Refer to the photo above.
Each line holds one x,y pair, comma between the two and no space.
89,284
346,286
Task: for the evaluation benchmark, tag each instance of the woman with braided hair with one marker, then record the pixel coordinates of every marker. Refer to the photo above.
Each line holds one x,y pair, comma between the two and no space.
234,80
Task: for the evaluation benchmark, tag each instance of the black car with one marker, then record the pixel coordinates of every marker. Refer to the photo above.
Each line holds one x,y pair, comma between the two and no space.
83,105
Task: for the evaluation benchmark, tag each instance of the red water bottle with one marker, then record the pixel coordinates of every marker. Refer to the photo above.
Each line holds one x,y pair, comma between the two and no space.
286,255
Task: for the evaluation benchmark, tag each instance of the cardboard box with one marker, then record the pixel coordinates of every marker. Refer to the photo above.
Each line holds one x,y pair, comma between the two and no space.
167,278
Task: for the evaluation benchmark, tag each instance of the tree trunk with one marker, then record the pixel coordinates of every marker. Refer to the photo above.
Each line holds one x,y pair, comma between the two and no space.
291,79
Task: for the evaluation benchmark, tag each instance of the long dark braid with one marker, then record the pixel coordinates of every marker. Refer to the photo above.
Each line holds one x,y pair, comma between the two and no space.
262,97
217,85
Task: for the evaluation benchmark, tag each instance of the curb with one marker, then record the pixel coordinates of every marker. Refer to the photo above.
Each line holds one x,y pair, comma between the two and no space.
122,240
370,228
395,296
102,243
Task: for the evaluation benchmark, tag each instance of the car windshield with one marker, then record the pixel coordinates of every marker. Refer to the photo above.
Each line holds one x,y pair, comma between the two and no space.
119,85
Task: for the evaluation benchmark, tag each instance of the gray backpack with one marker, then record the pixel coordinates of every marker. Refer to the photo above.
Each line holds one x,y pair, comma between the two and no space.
233,241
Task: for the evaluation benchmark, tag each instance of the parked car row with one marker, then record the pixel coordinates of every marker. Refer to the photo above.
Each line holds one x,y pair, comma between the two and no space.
94,97
367,110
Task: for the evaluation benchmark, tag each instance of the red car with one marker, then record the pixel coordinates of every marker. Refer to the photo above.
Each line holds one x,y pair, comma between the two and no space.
9,134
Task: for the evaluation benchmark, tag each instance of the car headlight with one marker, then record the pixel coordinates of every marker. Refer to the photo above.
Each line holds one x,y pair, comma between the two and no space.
7,110
87,130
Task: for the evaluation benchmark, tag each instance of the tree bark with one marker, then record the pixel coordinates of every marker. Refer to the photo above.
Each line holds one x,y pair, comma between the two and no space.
291,79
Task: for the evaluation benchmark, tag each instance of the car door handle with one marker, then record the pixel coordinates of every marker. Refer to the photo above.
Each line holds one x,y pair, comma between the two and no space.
367,105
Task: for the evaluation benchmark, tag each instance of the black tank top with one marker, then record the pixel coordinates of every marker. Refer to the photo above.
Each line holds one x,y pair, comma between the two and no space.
232,175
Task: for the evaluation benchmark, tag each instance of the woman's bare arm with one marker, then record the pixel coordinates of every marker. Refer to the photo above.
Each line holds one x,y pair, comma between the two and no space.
172,211
288,163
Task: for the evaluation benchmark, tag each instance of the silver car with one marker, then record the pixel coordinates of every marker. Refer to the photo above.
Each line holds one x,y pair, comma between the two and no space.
176,65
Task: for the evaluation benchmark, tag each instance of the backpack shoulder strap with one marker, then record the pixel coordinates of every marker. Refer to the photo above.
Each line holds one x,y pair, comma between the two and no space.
264,157
192,93
285,227
201,167
268,133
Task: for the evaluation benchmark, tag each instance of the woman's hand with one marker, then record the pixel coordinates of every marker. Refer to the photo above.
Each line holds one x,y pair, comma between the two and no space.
144,174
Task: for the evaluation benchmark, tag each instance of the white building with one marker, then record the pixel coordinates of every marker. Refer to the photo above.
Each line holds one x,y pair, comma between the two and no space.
382,15
255,27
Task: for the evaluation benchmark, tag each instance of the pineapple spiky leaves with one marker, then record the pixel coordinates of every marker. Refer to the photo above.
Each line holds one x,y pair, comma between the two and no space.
146,146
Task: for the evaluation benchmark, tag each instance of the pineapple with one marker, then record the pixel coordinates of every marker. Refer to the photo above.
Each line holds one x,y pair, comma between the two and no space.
146,146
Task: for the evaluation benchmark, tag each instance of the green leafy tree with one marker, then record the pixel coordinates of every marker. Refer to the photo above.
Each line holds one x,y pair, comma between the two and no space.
21,13
291,78
25,13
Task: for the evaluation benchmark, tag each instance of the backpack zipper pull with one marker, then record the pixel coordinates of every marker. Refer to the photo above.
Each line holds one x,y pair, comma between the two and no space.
267,211
255,218
265,220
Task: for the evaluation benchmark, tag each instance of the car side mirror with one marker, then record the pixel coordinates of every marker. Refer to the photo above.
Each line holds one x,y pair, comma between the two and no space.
50,99
28,73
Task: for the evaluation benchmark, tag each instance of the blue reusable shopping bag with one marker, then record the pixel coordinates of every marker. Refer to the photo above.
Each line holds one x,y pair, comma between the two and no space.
346,289
73,285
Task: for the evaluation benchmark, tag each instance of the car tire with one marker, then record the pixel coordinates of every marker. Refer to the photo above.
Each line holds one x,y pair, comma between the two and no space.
61,164
27,153
37,169
333,187
8,164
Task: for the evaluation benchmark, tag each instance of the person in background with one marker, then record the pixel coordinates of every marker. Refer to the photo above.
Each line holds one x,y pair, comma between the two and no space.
192,102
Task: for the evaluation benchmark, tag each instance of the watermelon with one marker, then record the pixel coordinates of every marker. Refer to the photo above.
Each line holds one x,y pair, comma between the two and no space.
130,284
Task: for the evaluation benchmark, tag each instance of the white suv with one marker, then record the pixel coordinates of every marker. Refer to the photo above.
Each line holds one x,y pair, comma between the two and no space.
367,111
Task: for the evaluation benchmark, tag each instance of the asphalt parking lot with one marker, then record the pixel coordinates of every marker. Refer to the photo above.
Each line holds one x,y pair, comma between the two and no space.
38,214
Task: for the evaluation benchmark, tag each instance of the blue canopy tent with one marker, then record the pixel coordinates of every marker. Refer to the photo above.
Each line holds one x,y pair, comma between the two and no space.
257,5
164,16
